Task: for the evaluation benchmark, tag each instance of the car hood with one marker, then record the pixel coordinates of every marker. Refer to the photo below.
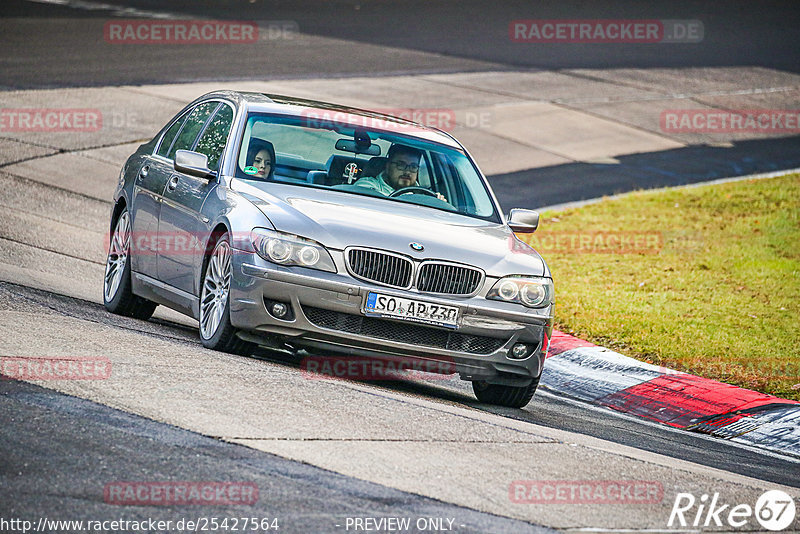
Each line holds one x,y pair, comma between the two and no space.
339,220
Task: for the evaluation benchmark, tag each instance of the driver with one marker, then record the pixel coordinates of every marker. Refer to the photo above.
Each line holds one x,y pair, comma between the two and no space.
402,167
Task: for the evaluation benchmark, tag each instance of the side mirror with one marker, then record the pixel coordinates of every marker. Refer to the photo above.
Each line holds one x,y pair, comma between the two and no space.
193,164
523,221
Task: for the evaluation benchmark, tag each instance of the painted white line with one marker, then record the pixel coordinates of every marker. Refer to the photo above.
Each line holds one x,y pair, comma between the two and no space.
675,96
592,529
610,372
581,203
112,9
622,415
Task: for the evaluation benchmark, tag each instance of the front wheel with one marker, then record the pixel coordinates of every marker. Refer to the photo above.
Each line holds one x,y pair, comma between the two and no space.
510,396
216,330
117,295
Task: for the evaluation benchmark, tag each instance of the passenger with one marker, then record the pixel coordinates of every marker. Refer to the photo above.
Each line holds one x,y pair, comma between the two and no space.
261,155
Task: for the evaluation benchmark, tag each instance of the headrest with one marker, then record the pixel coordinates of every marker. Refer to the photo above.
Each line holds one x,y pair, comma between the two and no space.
374,166
342,169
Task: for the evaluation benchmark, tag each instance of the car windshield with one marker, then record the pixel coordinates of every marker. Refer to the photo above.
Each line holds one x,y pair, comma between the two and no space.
360,160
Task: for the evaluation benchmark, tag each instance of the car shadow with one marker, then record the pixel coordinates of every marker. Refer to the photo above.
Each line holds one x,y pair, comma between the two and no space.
423,384
546,186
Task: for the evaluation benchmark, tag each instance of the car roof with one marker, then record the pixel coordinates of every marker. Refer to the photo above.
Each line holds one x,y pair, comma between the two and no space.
326,111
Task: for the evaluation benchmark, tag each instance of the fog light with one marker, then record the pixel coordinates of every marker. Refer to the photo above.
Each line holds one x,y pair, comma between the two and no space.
519,351
279,310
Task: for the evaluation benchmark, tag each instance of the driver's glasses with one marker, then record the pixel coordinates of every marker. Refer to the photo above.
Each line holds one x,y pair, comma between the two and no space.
402,167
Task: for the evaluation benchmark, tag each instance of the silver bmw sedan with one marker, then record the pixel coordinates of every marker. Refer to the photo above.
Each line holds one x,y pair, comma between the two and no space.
328,230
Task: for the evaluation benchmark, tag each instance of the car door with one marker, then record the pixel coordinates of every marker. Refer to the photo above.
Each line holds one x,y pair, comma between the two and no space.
181,225
150,182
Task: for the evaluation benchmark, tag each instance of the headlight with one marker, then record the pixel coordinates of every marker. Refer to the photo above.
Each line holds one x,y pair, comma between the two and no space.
530,291
289,249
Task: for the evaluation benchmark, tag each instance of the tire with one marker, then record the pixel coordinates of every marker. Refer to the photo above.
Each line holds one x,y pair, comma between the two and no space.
117,295
510,396
216,330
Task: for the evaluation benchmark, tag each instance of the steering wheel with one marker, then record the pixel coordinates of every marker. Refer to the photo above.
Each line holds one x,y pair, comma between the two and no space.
413,189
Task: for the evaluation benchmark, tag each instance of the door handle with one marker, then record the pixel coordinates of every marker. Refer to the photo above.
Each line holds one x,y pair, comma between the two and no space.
173,183
143,172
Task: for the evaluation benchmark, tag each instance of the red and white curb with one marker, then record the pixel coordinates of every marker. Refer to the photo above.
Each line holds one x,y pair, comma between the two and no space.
594,374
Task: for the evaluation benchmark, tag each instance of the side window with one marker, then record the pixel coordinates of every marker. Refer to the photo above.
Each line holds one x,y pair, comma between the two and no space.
212,142
194,123
448,181
423,176
169,136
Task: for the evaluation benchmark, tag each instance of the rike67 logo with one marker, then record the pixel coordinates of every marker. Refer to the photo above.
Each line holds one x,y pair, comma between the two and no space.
774,510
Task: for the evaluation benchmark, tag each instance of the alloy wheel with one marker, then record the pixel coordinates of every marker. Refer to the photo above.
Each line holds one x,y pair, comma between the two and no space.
216,285
117,256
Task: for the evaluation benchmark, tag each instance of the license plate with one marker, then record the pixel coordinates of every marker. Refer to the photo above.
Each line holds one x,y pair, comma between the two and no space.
380,305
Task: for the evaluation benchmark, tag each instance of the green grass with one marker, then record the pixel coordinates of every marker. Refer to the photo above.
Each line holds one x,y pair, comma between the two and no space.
713,287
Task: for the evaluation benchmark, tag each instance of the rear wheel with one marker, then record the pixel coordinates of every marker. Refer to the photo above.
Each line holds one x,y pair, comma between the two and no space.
510,396
216,330
117,295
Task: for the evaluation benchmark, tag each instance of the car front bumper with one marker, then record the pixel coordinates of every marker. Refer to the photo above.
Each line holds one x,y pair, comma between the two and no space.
327,311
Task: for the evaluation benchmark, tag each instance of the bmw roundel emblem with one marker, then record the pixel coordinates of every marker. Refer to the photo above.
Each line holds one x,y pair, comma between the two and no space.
416,246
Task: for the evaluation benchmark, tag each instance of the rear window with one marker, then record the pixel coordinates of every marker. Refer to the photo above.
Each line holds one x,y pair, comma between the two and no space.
191,127
169,136
214,137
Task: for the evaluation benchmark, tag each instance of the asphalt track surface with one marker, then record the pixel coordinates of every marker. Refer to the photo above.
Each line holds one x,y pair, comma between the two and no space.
42,431
60,451
98,443
48,44
546,410
465,34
